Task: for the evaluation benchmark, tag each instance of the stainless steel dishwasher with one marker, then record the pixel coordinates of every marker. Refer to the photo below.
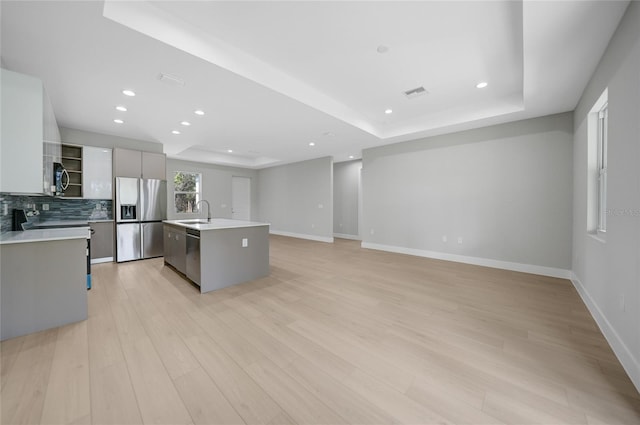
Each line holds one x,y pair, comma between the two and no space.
193,255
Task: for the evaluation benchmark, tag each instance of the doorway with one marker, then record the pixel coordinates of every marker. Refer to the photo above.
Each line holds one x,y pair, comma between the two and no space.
241,198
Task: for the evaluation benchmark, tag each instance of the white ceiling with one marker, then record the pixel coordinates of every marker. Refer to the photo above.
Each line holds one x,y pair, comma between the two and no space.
274,76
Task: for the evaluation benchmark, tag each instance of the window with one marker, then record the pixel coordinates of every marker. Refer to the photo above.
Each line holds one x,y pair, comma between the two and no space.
186,191
602,168
597,135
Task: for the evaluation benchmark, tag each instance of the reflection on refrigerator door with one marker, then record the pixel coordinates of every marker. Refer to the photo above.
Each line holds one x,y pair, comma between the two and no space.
153,194
152,240
128,243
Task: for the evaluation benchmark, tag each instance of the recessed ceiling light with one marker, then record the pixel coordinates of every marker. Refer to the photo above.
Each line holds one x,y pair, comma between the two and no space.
311,144
388,111
121,108
482,85
199,112
175,131
185,123
351,157
118,121
382,49
130,93
230,150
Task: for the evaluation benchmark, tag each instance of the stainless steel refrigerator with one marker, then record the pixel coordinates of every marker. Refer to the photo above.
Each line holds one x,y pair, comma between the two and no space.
141,205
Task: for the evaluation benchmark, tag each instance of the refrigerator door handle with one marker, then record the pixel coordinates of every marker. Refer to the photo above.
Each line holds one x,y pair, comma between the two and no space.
141,196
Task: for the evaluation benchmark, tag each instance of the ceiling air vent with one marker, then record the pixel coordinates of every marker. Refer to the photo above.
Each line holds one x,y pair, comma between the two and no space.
172,80
413,93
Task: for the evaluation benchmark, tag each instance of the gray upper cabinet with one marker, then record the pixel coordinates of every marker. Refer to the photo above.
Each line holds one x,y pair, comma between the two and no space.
154,165
146,165
127,163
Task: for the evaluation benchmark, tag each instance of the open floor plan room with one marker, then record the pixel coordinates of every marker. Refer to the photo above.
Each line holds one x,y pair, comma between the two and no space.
335,334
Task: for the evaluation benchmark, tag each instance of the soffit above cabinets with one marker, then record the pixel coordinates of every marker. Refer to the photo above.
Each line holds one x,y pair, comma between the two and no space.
274,77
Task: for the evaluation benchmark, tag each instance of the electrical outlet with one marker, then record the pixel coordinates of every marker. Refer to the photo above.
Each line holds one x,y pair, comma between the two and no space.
245,242
320,206
45,207
444,238
313,226
372,231
460,239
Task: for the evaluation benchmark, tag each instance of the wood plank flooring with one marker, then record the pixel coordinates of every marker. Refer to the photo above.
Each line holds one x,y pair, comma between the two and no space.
335,335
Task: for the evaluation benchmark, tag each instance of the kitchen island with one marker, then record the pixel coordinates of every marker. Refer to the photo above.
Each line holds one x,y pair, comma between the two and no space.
43,279
217,253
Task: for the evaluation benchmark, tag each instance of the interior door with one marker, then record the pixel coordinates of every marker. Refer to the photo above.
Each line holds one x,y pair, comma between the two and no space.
240,198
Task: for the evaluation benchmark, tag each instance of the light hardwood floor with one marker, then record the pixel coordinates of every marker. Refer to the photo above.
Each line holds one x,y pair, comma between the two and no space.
336,334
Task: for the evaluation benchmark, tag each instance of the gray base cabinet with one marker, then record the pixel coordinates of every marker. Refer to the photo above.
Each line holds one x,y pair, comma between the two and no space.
44,293
101,241
175,248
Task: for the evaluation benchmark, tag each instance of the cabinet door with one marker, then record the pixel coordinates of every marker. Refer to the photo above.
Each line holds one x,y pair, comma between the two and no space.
179,251
127,163
168,244
154,165
21,133
96,174
101,240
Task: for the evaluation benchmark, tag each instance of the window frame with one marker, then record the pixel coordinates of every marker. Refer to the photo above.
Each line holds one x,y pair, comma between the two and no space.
197,192
603,136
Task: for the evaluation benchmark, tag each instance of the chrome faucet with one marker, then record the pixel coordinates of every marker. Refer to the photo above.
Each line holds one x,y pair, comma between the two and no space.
208,208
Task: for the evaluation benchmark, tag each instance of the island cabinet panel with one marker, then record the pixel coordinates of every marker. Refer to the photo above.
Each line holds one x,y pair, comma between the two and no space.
175,248
226,253
43,294
233,255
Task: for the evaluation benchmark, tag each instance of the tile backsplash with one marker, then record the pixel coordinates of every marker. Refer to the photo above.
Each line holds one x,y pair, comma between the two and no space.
59,209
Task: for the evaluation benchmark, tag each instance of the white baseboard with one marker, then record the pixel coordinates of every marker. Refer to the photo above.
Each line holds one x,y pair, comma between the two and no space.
302,236
345,236
496,264
630,363
102,260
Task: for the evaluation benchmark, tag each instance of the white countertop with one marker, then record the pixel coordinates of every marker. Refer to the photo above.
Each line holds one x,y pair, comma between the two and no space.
43,235
215,224
68,223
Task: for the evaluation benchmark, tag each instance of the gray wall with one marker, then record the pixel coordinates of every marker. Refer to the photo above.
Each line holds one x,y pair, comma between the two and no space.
216,188
505,190
346,188
73,136
607,271
297,198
